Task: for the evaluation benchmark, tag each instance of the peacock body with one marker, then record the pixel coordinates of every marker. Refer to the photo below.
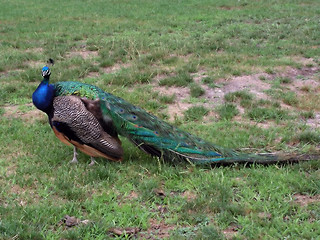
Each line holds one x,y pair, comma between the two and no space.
111,115
74,119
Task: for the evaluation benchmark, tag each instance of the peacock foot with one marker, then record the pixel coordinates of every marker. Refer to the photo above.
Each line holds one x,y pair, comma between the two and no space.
74,159
92,162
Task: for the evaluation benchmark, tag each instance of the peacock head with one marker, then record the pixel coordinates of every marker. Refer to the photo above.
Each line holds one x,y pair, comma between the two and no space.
46,72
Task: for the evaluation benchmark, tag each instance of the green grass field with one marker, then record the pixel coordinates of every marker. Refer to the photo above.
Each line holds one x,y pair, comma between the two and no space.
242,74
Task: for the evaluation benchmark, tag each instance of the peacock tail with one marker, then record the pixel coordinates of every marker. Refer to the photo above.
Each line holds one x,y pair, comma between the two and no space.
161,139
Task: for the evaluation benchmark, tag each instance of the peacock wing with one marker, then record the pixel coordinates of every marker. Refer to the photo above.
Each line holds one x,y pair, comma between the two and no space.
80,127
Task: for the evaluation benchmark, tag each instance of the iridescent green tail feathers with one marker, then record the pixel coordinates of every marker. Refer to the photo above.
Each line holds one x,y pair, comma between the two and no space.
161,139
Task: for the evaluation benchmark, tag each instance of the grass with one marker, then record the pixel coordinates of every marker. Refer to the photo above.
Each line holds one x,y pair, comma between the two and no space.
307,114
126,48
263,113
180,80
308,137
285,80
234,96
246,100
196,91
195,113
227,111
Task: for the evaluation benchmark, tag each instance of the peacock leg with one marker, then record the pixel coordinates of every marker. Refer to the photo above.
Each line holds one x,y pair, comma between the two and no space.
74,160
92,162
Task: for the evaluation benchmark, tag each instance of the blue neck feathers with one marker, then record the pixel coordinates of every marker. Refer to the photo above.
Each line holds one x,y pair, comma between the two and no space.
43,96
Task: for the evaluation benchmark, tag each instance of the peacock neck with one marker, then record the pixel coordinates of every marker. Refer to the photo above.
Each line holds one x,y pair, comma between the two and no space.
43,96
45,81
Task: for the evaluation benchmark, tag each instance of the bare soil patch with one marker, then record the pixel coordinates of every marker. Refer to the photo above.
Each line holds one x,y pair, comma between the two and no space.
12,111
93,74
35,64
132,195
314,122
85,54
34,50
230,232
179,106
257,84
304,200
189,195
115,68
157,230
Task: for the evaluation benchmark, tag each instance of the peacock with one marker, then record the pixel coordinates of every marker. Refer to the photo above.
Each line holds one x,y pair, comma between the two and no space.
91,120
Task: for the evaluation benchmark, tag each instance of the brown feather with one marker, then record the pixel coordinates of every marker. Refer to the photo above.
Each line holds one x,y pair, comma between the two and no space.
81,124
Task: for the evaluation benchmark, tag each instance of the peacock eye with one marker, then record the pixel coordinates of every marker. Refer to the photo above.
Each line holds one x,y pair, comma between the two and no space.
121,110
134,117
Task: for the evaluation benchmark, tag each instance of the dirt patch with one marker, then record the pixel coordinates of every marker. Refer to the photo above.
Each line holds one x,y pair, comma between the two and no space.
180,93
230,232
124,231
265,215
115,68
304,200
189,195
132,195
213,96
21,195
157,230
250,83
34,50
161,76
314,122
11,170
179,106
301,81
13,111
36,64
85,54
93,74
301,77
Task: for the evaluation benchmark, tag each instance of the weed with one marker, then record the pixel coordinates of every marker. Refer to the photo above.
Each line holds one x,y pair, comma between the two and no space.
181,80
290,98
227,111
196,90
308,137
261,114
307,114
234,96
170,60
106,63
306,88
284,80
167,99
270,71
207,80
262,78
195,113
246,103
